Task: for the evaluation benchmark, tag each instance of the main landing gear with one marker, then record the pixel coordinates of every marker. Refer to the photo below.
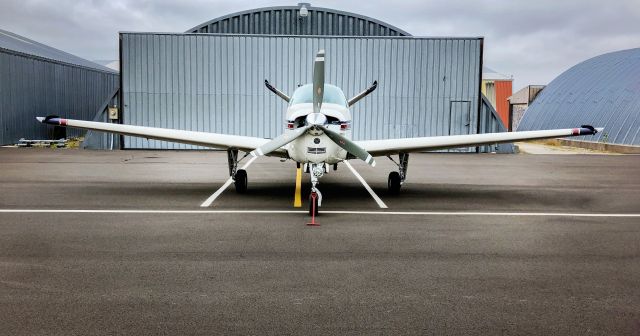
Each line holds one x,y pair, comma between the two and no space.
396,178
239,176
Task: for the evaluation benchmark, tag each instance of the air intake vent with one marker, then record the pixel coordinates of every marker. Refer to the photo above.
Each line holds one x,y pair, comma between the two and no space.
316,150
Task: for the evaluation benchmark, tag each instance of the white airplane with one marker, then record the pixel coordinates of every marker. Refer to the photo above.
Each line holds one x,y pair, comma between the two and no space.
317,135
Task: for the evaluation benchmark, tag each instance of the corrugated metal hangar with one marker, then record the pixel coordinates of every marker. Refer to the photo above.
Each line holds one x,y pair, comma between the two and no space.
37,80
211,78
603,91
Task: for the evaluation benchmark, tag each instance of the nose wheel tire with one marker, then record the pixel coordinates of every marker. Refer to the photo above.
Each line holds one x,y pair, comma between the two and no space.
313,205
241,181
394,183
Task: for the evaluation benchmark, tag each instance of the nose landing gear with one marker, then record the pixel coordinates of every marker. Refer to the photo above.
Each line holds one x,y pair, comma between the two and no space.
315,198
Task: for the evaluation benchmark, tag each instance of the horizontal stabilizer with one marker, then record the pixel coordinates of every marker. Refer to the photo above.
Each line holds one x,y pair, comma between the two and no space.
363,93
276,91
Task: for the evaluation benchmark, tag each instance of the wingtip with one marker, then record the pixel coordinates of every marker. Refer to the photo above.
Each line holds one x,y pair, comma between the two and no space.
40,119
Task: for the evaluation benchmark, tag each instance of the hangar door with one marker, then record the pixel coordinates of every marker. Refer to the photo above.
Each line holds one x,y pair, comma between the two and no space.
459,117
460,121
215,83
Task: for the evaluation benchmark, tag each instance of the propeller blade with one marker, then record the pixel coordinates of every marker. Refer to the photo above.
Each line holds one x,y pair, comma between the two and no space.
280,141
349,146
318,81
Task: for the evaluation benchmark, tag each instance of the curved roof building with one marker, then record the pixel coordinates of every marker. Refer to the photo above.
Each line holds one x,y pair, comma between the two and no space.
290,20
603,91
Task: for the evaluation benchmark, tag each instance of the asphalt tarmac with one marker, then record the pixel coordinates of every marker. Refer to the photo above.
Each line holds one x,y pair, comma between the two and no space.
479,244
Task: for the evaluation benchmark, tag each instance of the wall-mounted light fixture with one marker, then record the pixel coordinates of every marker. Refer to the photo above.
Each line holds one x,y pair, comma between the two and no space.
304,11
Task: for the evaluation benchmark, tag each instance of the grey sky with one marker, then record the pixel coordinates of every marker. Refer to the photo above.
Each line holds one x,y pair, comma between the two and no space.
533,40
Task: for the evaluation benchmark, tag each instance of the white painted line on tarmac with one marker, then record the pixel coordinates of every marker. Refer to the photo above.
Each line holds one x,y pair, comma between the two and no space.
366,186
224,187
134,211
465,213
375,213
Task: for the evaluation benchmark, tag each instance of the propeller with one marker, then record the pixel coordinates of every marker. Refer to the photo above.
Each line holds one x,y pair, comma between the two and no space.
349,146
280,141
318,81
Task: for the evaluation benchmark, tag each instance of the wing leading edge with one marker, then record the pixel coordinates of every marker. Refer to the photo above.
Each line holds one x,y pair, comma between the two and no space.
407,145
213,140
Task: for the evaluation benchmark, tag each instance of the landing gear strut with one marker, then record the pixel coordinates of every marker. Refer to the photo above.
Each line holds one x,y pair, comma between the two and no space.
315,198
239,176
396,179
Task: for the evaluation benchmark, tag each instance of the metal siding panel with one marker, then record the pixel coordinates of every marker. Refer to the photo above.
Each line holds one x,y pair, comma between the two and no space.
220,92
33,86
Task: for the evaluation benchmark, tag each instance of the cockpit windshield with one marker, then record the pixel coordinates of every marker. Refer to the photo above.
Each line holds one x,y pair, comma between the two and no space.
332,95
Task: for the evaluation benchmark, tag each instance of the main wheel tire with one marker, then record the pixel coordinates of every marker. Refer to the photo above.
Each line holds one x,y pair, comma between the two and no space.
313,206
241,181
394,183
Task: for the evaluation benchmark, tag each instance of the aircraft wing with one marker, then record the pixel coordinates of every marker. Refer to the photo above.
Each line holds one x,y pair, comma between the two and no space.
407,145
213,140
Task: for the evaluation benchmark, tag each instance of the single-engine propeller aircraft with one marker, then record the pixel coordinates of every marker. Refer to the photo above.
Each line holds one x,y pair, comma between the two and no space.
317,135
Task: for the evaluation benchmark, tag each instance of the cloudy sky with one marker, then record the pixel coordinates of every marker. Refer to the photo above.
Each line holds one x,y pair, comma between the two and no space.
532,40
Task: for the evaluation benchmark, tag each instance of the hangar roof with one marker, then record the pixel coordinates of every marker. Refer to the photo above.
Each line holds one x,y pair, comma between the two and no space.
22,45
603,91
285,20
